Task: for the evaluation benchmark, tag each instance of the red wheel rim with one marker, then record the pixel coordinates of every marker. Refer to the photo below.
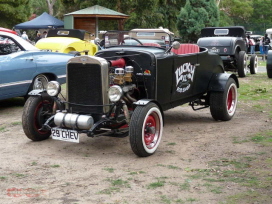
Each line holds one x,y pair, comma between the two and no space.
150,124
231,99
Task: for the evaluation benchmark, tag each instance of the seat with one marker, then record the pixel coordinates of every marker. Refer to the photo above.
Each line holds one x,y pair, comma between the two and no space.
186,49
152,44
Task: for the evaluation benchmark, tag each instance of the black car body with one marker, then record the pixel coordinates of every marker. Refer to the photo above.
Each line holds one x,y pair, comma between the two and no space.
231,44
124,89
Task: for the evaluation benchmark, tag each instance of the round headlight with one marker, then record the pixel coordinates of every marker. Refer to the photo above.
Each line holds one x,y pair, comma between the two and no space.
115,93
53,88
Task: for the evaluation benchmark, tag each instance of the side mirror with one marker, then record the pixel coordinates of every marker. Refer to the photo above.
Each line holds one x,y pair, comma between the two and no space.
97,41
175,45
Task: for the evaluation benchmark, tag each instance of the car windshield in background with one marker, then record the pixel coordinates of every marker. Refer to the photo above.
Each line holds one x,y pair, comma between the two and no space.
138,38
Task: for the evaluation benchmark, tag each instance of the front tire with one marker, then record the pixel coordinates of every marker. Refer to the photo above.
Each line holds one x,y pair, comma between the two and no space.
145,129
35,113
242,64
223,104
253,64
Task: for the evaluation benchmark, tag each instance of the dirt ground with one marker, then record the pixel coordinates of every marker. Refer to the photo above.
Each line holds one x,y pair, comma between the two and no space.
105,170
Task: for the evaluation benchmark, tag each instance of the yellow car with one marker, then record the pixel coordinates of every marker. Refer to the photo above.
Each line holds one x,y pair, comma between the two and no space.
68,41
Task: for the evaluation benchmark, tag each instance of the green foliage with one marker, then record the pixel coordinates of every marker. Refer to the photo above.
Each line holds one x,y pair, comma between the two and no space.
13,12
235,12
261,18
195,15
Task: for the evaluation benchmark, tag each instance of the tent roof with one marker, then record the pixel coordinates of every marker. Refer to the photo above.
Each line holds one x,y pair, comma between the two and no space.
98,11
43,21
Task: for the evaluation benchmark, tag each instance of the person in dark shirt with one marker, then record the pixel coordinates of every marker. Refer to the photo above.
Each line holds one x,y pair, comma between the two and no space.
38,37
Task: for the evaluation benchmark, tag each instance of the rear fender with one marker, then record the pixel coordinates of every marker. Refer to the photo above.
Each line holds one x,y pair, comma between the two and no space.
144,102
219,81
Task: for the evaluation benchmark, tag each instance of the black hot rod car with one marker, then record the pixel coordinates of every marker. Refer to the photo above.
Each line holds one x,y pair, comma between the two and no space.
124,89
230,43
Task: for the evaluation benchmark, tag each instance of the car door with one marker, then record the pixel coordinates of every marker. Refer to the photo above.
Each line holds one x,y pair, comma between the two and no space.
16,72
183,76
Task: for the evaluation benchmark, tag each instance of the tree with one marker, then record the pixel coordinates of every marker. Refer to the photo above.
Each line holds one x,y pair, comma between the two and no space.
261,18
13,12
169,10
238,11
195,15
142,12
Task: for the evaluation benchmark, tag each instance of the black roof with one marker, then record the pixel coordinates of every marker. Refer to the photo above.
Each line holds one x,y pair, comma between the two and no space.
74,33
234,31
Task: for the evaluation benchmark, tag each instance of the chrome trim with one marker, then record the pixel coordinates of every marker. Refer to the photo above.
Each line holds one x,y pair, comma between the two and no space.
15,83
61,76
86,59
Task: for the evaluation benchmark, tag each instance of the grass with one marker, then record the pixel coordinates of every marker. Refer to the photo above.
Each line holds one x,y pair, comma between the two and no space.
55,166
2,129
110,170
256,92
115,186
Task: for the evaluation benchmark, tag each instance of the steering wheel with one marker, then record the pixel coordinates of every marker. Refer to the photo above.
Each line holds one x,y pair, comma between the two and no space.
133,39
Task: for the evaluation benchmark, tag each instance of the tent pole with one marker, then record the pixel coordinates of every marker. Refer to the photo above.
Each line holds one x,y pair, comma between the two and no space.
96,27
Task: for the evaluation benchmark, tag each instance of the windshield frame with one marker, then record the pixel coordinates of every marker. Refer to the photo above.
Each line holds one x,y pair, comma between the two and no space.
134,38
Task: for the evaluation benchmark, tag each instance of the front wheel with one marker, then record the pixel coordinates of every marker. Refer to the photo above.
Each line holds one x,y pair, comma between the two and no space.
35,113
145,129
253,64
223,104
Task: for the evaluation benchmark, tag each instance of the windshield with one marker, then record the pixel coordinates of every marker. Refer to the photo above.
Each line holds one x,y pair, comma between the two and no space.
138,38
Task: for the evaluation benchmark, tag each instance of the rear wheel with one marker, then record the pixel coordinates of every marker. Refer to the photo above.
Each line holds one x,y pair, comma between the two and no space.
35,113
145,129
242,64
223,104
253,64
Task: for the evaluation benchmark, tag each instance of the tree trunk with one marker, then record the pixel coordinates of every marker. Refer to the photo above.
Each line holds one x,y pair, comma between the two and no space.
50,4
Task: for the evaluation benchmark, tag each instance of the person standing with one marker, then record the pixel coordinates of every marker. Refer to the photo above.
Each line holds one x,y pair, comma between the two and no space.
266,43
38,37
44,34
251,44
25,36
261,45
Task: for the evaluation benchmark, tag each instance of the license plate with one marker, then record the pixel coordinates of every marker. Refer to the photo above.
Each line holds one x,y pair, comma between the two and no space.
65,135
213,50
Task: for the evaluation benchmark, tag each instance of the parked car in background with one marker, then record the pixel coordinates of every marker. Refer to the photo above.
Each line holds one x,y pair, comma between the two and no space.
124,89
23,67
230,44
160,37
68,41
8,30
